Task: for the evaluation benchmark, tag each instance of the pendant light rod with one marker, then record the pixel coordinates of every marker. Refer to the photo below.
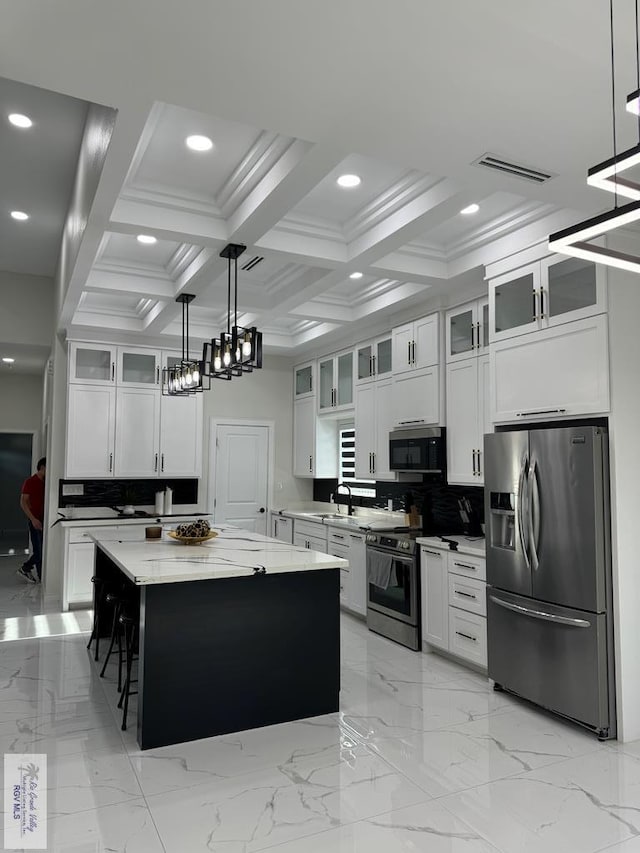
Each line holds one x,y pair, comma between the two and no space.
613,94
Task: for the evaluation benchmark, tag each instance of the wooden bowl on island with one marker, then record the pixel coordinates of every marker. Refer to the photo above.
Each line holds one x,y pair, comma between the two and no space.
191,540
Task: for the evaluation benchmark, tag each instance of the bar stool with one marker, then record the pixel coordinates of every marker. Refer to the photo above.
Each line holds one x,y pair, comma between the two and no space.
99,593
130,627
116,600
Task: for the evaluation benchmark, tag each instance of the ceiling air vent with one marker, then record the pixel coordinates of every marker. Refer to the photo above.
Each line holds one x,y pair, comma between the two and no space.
500,164
252,263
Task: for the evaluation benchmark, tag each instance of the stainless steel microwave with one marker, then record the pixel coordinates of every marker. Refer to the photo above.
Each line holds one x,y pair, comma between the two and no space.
419,449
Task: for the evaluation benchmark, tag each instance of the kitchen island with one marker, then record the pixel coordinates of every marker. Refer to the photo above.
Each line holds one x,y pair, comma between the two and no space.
239,632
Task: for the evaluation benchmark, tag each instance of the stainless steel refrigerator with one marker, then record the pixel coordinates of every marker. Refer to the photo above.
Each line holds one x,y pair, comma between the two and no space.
549,610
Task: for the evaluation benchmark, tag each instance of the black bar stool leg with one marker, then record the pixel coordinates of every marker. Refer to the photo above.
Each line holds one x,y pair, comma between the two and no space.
115,630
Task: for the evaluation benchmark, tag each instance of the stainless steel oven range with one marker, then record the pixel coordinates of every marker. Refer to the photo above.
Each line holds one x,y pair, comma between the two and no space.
393,593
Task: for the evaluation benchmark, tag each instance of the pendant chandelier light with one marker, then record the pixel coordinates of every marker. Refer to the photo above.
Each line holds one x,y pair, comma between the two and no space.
609,175
187,377
238,350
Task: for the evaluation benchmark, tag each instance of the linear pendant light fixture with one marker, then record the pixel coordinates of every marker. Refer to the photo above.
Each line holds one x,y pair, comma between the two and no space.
187,377
608,175
239,349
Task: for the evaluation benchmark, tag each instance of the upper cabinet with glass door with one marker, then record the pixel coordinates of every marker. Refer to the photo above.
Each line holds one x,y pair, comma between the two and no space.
304,381
374,359
548,293
467,330
92,364
139,368
335,380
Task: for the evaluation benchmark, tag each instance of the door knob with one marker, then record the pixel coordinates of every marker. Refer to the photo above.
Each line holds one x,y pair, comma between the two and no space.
261,509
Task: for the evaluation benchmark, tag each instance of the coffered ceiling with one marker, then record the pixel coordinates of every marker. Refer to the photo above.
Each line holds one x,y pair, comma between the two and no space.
406,95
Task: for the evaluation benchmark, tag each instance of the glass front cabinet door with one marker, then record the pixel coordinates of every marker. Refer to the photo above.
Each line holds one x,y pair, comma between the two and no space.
139,367
467,330
374,360
571,289
514,303
335,376
93,364
303,381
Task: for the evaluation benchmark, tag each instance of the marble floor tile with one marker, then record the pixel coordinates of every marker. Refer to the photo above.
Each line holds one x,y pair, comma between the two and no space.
424,828
122,828
581,805
268,807
494,747
416,708
66,735
319,739
630,846
76,783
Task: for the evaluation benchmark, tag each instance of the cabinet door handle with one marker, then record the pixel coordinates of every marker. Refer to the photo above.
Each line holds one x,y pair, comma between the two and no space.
375,366
162,462
467,636
433,553
408,352
477,335
311,463
466,594
275,528
113,370
466,566
413,352
373,463
473,457
542,303
110,462
540,412
157,375
535,305
479,468
473,336
155,467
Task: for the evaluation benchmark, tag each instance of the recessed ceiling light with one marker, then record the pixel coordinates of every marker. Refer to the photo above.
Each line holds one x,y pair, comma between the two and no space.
147,239
8,360
19,120
356,275
199,143
349,180
471,208
19,214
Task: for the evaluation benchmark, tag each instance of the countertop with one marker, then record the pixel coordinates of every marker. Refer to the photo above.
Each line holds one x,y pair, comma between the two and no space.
472,546
111,517
233,553
380,520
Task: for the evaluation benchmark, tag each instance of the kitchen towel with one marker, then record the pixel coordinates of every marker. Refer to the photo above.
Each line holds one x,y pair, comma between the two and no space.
379,568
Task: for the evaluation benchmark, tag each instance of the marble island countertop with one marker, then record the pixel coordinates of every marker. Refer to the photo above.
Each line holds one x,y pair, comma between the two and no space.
233,553
86,516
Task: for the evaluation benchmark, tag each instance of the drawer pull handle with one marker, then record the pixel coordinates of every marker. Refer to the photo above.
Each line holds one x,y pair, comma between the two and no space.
336,536
466,594
466,566
433,553
466,636
540,412
355,536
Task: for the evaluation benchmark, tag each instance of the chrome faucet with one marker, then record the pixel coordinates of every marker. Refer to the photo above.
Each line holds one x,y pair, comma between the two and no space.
350,504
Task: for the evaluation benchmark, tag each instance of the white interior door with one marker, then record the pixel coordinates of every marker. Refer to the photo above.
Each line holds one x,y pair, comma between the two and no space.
241,476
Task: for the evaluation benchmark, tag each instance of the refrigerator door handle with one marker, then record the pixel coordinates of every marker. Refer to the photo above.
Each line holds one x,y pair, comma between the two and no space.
521,515
534,515
541,614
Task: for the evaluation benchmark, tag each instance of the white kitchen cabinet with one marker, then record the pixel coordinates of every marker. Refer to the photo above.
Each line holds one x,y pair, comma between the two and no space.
181,424
545,294
282,528
315,442
435,597
454,603
92,363
468,419
558,372
310,534
139,367
467,330
304,381
416,397
91,418
79,571
374,418
374,359
415,345
309,542
335,382
357,573
137,443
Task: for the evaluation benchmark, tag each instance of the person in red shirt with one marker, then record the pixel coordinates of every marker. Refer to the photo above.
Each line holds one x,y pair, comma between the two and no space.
32,504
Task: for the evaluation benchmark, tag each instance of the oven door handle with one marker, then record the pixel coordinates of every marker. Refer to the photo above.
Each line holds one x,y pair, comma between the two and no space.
400,558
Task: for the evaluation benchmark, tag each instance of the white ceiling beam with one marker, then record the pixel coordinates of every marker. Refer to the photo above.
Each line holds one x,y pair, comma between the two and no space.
133,216
323,311
146,287
403,265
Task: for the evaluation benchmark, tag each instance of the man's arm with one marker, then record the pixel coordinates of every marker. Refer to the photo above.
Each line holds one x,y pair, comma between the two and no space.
25,506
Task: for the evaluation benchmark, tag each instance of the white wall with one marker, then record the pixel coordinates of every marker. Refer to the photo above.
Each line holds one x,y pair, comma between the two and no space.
266,394
624,344
21,408
27,309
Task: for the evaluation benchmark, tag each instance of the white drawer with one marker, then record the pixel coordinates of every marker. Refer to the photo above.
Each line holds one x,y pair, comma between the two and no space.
80,534
468,594
463,564
339,537
468,636
310,529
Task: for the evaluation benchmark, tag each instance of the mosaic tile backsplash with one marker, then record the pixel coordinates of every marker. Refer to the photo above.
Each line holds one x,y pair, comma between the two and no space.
120,492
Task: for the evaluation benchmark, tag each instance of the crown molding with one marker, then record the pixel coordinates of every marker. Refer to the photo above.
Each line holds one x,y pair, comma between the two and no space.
160,195
403,192
310,226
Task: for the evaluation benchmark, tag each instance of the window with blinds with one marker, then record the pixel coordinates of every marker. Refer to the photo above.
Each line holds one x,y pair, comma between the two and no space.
347,463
